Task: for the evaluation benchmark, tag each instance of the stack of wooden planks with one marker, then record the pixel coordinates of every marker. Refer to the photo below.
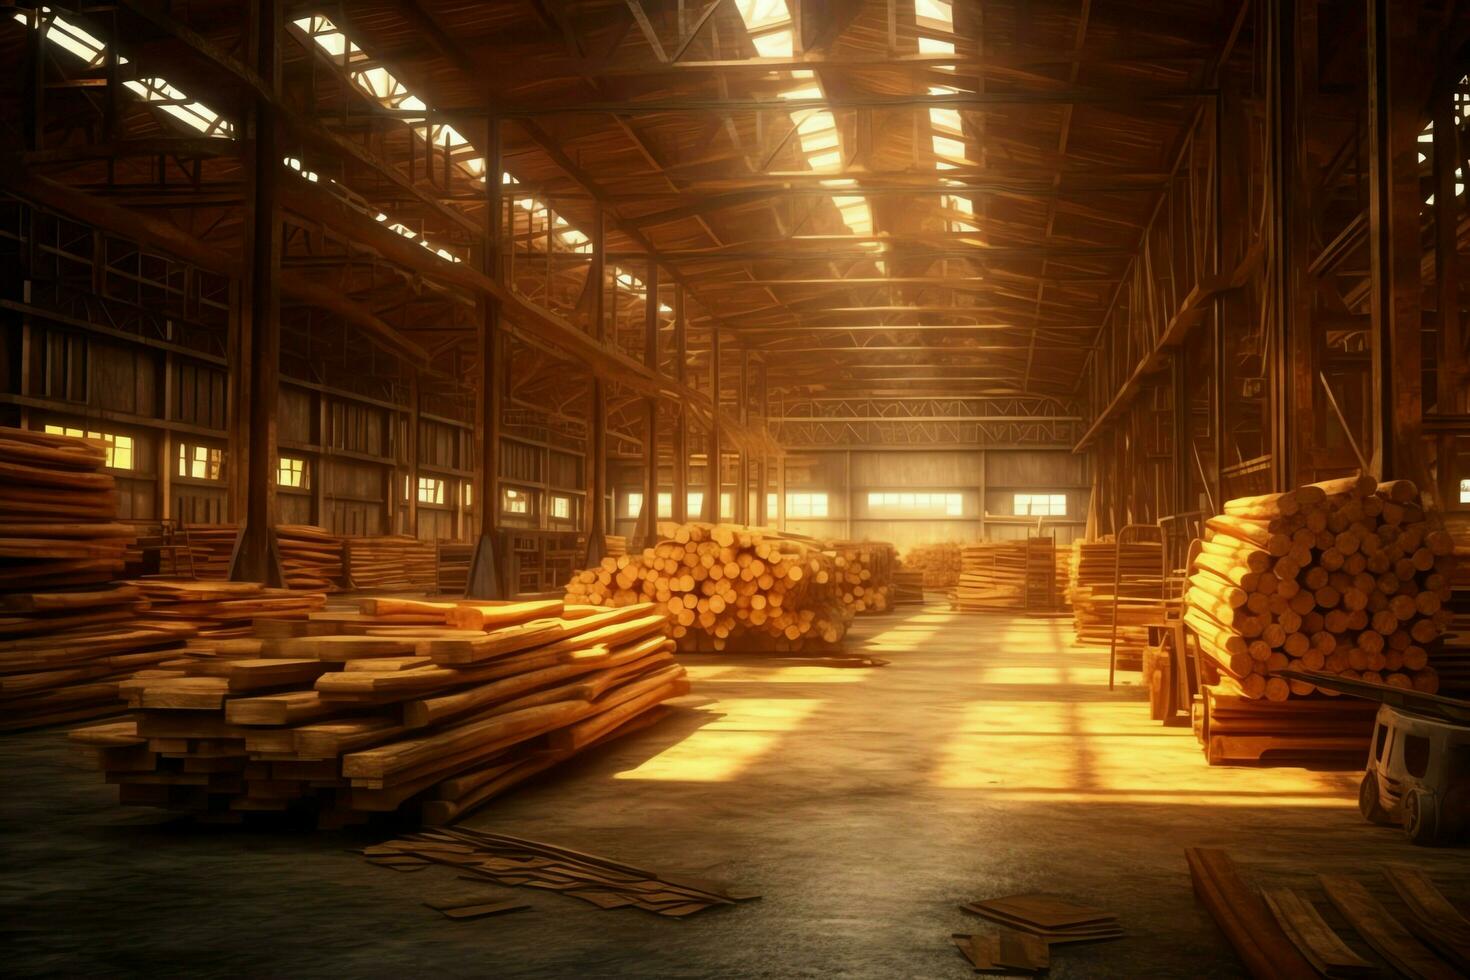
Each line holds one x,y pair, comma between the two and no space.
865,573
724,585
1346,576
908,586
939,563
1019,574
311,558
1138,596
614,545
452,567
391,563
222,609
68,633
212,546
430,709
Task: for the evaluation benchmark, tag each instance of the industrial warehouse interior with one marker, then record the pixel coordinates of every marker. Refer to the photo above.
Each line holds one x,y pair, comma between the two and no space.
735,488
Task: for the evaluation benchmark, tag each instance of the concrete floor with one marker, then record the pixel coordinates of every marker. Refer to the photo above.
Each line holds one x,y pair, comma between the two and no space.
988,759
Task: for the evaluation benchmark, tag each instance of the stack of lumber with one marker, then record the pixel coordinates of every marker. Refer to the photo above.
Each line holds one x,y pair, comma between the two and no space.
452,569
1348,576
515,861
1452,660
728,586
1019,574
311,558
908,586
939,563
614,545
1137,598
222,609
429,709
212,546
391,563
865,572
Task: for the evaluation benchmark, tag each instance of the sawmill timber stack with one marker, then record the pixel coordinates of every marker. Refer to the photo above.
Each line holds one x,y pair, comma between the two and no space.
899,486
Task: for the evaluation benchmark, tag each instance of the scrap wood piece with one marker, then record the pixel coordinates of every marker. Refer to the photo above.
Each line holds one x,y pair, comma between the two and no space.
1045,911
1382,931
1243,917
1431,916
484,911
1304,926
983,954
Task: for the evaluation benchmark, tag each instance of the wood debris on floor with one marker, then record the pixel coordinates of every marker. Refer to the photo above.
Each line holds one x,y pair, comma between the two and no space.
1030,925
1281,932
469,908
428,708
515,861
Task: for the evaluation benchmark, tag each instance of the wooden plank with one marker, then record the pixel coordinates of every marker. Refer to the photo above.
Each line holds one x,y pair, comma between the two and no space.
1382,931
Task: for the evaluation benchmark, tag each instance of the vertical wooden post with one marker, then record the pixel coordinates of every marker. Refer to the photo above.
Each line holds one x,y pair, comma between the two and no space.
1393,148
596,463
411,451
712,464
649,523
742,479
762,489
255,557
486,579
681,424
1449,360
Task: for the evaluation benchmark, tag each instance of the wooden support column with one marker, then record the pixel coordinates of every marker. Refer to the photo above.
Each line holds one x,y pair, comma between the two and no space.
595,468
1450,356
762,515
487,579
712,464
1394,59
742,479
411,451
649,522
681,425
259,337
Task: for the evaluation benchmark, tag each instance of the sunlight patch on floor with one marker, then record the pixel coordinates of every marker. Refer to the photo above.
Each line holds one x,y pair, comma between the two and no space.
728,745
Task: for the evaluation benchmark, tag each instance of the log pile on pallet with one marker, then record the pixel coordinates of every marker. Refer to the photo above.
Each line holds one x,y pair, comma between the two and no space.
68,633
430,709
938,563
728,587
391,563
1138,598
865,572
1347,576
311,558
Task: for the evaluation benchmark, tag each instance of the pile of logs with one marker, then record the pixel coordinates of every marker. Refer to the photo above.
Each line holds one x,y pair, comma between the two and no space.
1137,598
221,609
865,572
68,633
391,563
311,558
1345,576
939,563
430,709
724,585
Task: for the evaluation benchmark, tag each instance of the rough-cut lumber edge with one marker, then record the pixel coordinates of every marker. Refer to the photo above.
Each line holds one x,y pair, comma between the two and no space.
1304,925
1382,931
1243,917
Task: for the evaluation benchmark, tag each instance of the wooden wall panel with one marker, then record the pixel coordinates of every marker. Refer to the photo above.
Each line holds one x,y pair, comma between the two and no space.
296,416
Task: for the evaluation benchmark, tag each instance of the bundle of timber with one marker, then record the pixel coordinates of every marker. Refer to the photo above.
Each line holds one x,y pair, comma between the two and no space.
992,576
212,546
727,586
614,545
1137,597
311,558
452,567
222,609
865,572
1346,576
391,563
425,708
908,586
939,563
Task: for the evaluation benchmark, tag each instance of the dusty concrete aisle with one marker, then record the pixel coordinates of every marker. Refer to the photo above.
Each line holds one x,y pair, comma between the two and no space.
864,804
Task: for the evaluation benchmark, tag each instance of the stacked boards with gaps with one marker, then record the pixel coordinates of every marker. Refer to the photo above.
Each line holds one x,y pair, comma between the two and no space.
427,708
1136,601
1348,576
728,587
1009,575
68,632
1029,926
391,563
311,558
